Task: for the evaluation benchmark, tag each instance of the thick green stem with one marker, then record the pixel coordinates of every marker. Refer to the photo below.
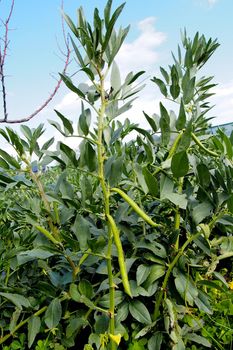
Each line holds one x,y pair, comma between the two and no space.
106,193
168,273
200,144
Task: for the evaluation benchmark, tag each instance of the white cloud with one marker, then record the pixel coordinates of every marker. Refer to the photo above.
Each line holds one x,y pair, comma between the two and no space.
70,99
141,53
223,101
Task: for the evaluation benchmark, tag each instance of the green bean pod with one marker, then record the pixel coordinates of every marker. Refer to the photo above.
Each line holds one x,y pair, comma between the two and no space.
135,207
200,144
121,258
47,234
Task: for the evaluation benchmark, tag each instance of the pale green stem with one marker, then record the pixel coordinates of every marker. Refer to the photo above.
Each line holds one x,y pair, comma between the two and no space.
105,189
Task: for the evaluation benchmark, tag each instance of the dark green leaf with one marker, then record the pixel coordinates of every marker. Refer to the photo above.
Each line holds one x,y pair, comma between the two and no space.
85,288
81,230
186,287
139,311
66,123
69,152
180,164
151,182
17,299
151,122
53,313
161,85
164,125
181,120
71,86
135,77
9,159
33,329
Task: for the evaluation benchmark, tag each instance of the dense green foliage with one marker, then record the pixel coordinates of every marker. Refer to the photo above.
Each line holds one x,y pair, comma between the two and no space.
127,242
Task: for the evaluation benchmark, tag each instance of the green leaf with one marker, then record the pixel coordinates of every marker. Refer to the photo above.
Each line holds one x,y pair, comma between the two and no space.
185,138
68,128
151,121
26,131
135,77
141,178
203,174
107,11
113,168
71,86
201,211
36,253
15,140
151,182
161,85
84,121
14,319
174,88
74,293
85,288
142,273
69,152
53,313
110,25
81,230
89,73
71,24
34,324
155,341
139,311
186,287
47,144
4,164
79,56
203,303
156,271
212,285
164,125
165,74
90,157
180,164
115,78
198,339
17,299
9,159
119,298
181,120
57,126
188,93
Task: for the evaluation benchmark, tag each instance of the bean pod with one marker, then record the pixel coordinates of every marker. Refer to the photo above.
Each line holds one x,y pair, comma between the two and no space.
121,258
135,207
47,234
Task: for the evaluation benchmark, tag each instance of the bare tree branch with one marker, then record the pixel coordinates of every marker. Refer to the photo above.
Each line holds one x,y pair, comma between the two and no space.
3,54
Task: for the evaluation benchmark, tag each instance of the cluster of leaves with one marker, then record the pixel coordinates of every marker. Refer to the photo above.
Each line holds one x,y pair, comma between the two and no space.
147,277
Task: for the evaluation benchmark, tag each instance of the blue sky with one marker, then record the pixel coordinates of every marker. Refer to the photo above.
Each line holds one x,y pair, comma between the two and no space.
155,30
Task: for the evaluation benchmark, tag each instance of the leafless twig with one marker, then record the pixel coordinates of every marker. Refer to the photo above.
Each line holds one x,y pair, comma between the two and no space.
3,55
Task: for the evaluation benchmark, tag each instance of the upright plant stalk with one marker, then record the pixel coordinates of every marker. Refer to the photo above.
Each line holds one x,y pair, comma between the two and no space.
106,194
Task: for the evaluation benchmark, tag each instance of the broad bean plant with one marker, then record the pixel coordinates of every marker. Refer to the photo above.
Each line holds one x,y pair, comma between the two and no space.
125,241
